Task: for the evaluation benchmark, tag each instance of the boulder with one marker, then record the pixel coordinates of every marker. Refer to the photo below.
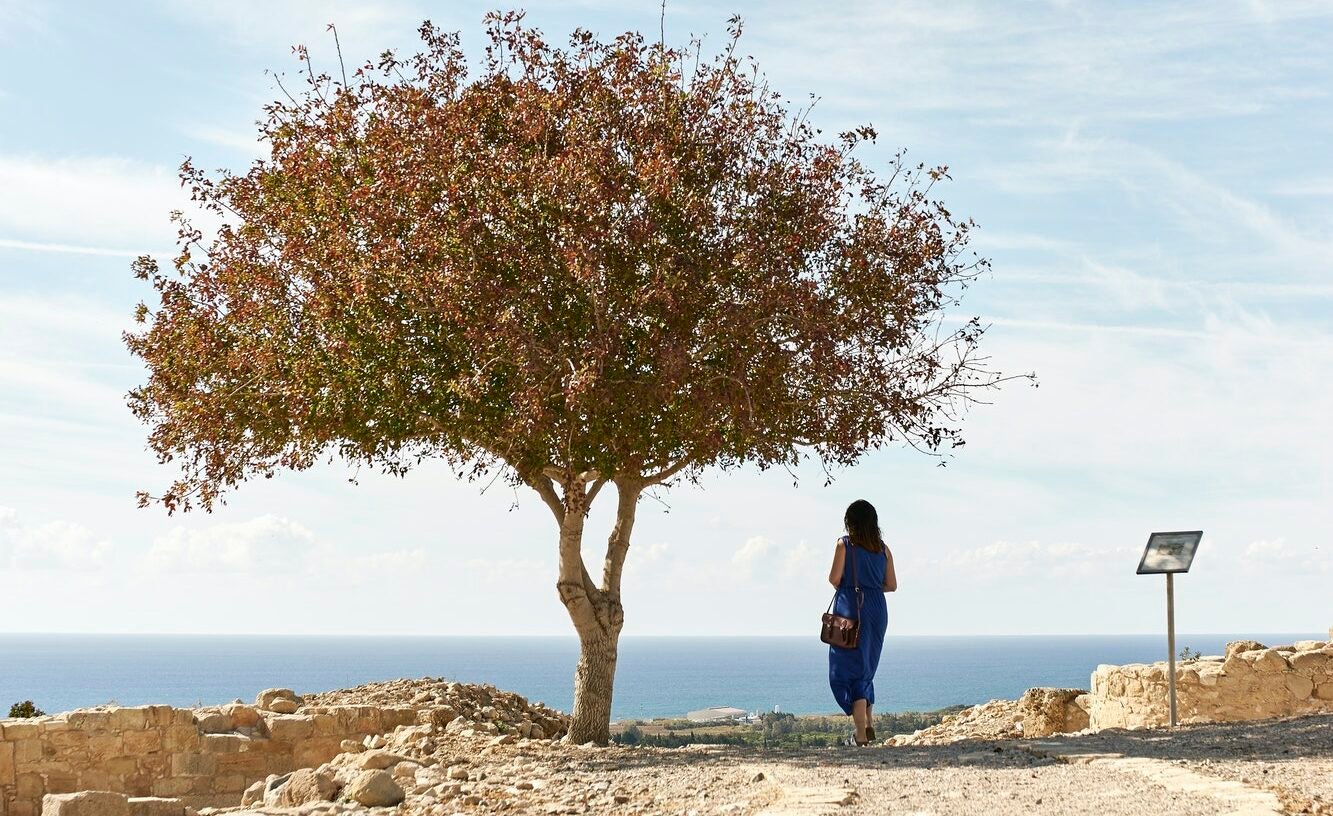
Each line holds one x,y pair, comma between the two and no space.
301,787
1235,647
377,759
86,803
1047,711
255,793
215,723
242,715
277,700
374,789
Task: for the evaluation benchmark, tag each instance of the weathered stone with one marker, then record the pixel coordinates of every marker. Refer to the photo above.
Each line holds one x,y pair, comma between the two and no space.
242,715
86,803
284,706
1235,647
374,789
1299,685
156,806
1047,711
266,698
300,787
1309,661
216,723
1270,660
254,794
377,759
6,764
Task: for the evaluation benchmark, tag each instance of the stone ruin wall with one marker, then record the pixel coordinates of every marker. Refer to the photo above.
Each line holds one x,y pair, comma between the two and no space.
1250,682
203,758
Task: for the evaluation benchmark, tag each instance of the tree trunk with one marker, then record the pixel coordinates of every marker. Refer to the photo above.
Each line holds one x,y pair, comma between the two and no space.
593,680
595,610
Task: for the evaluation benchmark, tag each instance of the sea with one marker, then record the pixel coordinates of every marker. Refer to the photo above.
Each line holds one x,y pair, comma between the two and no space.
655,676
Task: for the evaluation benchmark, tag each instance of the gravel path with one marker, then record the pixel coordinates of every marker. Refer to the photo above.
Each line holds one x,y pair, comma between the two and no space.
1293,758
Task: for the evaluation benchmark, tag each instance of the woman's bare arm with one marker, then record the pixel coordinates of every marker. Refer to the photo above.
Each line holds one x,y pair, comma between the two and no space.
890,577
839,557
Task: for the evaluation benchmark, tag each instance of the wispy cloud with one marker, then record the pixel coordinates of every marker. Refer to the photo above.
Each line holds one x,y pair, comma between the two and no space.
109,204
52,545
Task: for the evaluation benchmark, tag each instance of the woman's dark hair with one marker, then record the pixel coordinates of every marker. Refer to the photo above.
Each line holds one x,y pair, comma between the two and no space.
862,523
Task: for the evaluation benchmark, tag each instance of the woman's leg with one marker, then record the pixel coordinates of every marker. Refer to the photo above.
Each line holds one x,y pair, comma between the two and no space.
870,721
860,719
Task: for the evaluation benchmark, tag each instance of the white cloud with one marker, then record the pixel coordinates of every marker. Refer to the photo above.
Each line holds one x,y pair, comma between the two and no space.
752,551
54,545
802,561
265,545
1279,555
100,205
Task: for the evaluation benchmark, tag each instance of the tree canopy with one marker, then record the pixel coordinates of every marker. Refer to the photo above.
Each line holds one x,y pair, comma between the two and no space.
615,257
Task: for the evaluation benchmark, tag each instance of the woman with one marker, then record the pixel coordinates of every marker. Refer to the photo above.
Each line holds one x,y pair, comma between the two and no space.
851,672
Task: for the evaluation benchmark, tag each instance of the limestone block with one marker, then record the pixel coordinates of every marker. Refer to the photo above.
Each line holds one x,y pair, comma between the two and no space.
138,743
1309,661
242,715
290,728
193,764
1208,675
129,719
96,779
172,787
6,765
86,803
16,730
224,743
1325,691
1270,660
1235,647
215,723
1235,665
121,765
1308,645
89,720
102,747
178,738
156,806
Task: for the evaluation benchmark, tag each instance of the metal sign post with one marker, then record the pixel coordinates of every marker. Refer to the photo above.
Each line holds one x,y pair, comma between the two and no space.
1170,553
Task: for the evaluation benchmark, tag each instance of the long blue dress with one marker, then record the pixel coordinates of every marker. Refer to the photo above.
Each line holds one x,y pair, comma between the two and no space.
851,672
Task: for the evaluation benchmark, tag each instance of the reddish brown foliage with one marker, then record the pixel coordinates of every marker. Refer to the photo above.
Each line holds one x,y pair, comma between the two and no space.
598,259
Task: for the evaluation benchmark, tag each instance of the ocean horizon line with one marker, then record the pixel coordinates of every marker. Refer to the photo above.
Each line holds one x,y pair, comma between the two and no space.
516,636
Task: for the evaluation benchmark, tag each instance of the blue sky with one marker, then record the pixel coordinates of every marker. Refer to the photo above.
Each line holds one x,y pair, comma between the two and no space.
1153,184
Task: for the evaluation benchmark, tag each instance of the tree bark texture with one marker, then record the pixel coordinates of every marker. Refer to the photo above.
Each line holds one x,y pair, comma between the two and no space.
595,610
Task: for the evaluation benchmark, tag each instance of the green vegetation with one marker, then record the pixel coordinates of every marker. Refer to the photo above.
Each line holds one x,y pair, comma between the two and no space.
1187,654
777,730
25,709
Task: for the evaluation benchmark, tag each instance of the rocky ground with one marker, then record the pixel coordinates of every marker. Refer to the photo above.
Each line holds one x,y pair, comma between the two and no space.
467,768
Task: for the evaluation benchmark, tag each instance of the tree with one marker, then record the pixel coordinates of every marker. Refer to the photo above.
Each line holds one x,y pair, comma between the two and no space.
25,709
614,263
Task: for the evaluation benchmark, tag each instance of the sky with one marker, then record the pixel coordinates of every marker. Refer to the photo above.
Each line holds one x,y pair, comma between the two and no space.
1152,182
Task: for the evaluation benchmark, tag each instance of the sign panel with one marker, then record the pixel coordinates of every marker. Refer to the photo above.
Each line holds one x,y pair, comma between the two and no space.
1169,552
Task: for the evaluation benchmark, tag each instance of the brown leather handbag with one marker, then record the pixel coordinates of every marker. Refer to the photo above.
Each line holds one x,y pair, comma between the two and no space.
838,631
